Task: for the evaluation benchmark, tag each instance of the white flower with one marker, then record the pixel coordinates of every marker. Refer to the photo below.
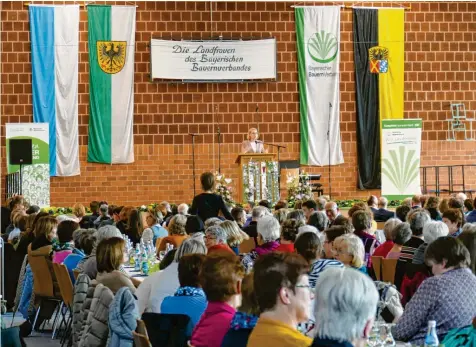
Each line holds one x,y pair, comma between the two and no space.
219,177
143,207
228,180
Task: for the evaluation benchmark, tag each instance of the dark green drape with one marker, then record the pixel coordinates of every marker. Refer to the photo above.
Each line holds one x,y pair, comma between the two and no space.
366,88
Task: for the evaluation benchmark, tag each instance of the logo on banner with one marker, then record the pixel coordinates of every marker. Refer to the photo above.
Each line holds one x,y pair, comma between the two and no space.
111,55
323,47
378,57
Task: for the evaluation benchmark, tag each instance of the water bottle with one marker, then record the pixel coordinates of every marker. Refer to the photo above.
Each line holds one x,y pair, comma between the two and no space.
144,269
431,338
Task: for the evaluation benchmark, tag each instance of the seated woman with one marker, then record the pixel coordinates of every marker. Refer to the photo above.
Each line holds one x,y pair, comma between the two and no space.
208,204
349,249
64,245
431,231
220,277
177,233
268,232
235,236
215,240
289,231
402,233
84,240
469,240
448,298
245,318
110,256
284,298
189,299
133,227
154,228
386,247
454,219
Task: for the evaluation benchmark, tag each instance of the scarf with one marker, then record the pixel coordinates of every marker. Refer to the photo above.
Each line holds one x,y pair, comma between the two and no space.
189,291
243,321
267,247
66,246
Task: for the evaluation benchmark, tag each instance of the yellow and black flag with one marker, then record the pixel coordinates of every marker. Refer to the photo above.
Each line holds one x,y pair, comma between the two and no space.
379,60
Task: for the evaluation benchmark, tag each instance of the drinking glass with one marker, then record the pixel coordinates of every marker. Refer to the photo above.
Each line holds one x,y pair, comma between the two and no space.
385,335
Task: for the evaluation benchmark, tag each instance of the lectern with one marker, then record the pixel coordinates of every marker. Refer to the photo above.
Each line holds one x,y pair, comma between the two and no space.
258,177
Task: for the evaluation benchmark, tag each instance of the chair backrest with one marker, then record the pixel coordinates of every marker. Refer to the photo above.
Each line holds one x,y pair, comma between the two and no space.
388,270
76,273
141,328
380,225
247,245
42,279
166,330
377,266
64,282
140,340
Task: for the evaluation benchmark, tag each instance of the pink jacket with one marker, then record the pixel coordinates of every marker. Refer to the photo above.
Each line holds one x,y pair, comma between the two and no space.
60,256
213,326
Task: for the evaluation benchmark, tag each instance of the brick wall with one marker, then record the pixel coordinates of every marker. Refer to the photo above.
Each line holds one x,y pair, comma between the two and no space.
440,67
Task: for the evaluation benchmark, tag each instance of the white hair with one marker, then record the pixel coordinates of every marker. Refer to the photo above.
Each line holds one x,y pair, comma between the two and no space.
383,202
344,298
106,232
308,229
182,209
354,246
469,228
388,228
433,230
269,229
218,232
461,196
259,212
190,246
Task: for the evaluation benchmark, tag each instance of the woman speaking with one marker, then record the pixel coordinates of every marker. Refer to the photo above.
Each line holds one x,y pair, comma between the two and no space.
253,145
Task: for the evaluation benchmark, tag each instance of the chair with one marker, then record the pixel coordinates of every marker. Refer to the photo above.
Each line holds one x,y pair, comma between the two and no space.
66,290
76,274
388,270
247,245
166,330
42,282
140,340
377,266
380,225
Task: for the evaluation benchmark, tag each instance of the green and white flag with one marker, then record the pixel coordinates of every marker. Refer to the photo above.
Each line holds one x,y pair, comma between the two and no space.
111,83
401,150
318,39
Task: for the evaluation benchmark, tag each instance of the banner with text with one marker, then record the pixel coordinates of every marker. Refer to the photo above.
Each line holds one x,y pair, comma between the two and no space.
35,177
213,60
318,51
401,149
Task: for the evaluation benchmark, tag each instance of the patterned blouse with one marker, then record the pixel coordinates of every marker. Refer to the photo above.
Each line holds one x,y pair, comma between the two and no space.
449,299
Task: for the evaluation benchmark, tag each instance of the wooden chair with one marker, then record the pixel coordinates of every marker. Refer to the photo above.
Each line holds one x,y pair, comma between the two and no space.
76,274
377,266
66,290
380,225
247,245
141,340
42,282
141,329
388,270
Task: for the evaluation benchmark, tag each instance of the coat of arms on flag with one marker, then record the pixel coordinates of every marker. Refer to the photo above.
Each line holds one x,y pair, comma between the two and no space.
378,57
111,55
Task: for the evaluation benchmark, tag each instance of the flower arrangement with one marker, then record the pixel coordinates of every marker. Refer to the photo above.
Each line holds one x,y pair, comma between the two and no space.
299,188
223,188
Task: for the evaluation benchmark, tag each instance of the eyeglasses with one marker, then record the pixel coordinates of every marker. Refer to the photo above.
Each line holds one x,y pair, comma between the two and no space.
303,286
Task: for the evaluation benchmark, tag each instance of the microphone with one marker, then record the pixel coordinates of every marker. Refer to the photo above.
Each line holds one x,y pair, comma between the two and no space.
258,141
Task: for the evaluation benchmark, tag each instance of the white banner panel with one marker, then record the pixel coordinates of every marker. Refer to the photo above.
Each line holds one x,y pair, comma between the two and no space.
401,149
213,60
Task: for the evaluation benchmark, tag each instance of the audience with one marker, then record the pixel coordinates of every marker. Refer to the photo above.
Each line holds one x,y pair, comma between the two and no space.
431,231
159,285
110,257
257,213
281,204
417,218
289,231
471,216
133,227
454,219
468,206
349,250
402,211
284,298
431,206
416,201
332,211
318,220
469,240
448,297
154,228
382,214
84,240
177,233
189,299
220,277
387,246
309,207
235,235
245,318
268,233
372,202
239,216
64,245
330,235
402,234
281,215
216,240
182,209
297,215
208,204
